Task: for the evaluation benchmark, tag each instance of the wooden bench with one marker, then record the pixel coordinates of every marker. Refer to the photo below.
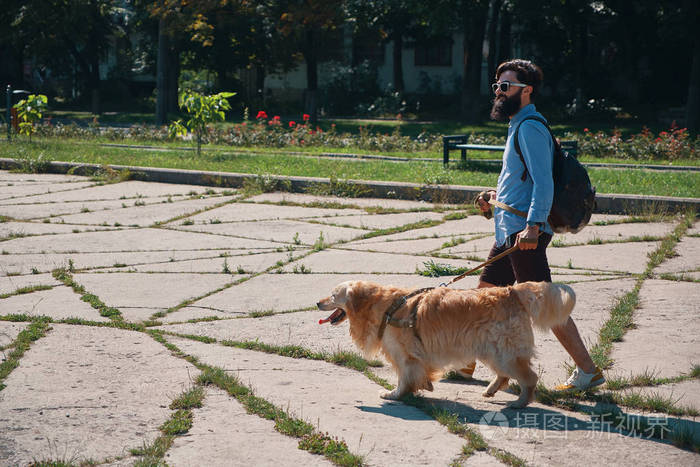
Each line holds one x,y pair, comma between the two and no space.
454,142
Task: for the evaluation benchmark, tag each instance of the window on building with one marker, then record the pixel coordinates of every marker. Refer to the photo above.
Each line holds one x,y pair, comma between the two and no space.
434,52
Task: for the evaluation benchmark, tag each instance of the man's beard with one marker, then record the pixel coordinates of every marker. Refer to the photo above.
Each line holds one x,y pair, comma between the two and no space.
505,108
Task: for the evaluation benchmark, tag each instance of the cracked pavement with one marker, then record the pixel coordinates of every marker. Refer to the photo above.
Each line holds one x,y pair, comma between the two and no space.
193,261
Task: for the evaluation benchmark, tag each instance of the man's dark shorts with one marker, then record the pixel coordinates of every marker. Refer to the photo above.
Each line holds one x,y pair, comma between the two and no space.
520,266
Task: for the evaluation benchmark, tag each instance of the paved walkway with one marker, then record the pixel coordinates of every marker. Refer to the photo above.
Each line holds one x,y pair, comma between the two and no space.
191,261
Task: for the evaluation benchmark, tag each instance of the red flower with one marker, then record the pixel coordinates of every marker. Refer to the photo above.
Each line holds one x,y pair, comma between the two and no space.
261,114
585,130
292,123
276,117
306,117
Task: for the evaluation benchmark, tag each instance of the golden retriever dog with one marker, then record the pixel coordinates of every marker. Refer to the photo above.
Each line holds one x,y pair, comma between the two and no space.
493,325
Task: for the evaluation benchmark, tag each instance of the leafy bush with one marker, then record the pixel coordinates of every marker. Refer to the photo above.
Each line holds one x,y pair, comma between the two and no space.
29,113
202,110
669,145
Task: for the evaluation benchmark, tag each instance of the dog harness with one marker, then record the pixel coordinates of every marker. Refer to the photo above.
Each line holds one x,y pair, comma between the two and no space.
409,322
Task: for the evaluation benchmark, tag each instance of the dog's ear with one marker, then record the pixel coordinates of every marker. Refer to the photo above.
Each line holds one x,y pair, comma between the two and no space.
343,294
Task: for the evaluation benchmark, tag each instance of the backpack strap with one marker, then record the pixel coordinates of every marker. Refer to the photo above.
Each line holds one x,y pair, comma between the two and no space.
517,143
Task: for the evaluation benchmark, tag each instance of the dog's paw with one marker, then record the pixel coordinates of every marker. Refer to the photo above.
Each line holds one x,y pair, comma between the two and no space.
487,394
391,396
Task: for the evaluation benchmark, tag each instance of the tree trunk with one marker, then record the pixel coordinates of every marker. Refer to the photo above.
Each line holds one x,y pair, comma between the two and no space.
397,55
311,94
504,40
258,97
172,82
94,85
161,75
692,108
474,29
496,7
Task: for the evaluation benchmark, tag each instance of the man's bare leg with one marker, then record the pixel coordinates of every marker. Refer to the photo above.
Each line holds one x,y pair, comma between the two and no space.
570,339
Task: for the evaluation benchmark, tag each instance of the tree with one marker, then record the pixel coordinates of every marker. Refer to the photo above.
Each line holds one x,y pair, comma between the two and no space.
306,23
67,37
202,110
396,21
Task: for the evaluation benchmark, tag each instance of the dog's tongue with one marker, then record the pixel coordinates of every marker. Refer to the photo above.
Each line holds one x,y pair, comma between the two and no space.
333,316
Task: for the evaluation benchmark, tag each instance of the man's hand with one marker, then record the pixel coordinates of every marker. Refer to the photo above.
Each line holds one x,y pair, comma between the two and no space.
527,239
483,203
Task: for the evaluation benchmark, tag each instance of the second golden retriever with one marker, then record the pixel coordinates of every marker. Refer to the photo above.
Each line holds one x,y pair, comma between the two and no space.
452,327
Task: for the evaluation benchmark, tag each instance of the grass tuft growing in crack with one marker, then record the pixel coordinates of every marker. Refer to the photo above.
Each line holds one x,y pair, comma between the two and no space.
332,448
34,331
475,442
177,424
65,276
26,290
614,329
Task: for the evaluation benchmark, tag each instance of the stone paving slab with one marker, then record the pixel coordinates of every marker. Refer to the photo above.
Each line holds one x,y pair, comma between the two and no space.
467,227
23,264
238,212
415,247
145,215
279,231
178,262
687,259
479,246
150,290
548,436
59,212
128,190
221,436
8,333
283,292
129,241
615,232
626,257
21,190
363,220
345,261
93,392
337,401
665,339
17,177
9,284
18,229
57,303
362,202
250,263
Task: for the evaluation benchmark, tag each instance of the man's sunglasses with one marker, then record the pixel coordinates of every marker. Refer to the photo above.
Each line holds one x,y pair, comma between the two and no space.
504,86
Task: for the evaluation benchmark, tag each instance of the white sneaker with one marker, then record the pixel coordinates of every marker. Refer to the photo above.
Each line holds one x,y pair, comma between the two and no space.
582,381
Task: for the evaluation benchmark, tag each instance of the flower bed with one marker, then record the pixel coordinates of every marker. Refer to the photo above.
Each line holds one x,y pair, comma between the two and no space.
674,144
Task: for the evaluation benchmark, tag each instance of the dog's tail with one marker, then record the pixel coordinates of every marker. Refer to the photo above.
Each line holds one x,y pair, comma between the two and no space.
548,304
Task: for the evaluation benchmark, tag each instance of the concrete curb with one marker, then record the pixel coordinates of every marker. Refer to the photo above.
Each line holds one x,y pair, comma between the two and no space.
458,194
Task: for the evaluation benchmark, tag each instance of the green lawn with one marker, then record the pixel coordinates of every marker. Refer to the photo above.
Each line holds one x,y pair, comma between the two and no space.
270,161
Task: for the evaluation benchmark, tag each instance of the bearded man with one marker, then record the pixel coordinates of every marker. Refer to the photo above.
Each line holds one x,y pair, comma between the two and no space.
528,189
